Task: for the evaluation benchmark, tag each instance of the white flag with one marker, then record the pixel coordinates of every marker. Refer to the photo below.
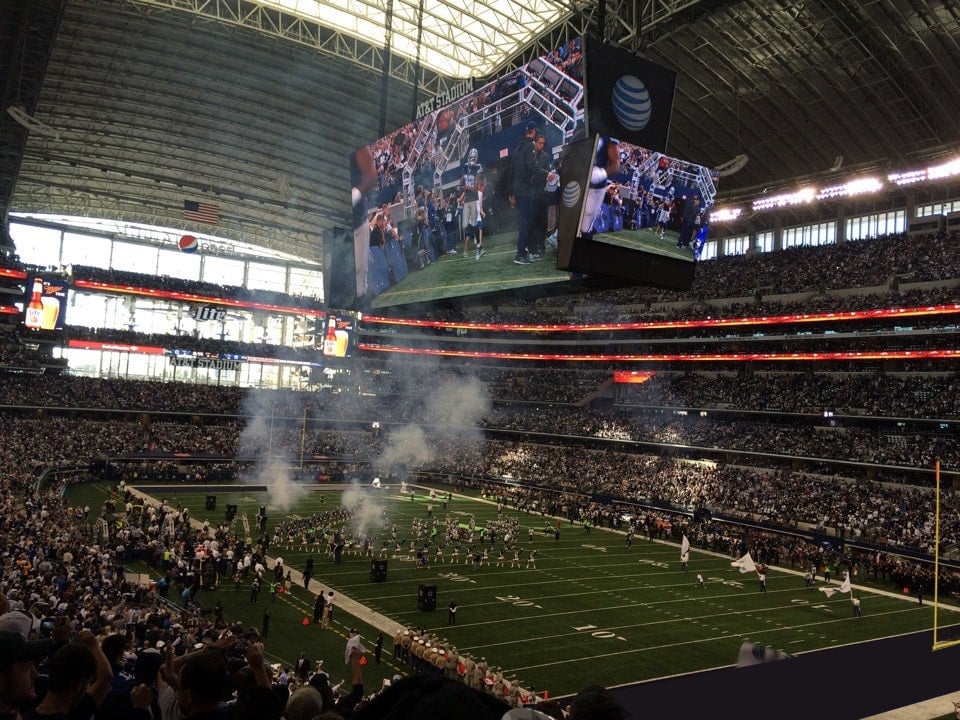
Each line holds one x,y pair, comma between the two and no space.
845,585
746,564
828,591
684,546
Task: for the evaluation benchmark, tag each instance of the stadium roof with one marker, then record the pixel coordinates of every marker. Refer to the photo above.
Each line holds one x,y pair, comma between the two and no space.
134,106
461,39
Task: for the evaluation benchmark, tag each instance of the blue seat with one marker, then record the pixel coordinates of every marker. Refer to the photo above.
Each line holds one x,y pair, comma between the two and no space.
378,271
396,260
603,219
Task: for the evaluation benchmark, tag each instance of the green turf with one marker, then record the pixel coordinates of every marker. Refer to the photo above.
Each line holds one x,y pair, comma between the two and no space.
454,275
593,611
646,240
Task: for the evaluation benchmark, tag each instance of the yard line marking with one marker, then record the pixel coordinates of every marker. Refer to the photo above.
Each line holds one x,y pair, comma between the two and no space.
640,625
649,648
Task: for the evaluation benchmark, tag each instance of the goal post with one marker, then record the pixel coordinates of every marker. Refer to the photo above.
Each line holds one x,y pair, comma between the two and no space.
938,644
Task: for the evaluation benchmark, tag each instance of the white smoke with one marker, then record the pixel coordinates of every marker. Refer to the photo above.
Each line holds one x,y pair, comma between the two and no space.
407,446
266,436
452,408
366,507
458,406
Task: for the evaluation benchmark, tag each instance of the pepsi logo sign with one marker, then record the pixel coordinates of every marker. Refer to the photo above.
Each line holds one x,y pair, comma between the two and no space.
188,244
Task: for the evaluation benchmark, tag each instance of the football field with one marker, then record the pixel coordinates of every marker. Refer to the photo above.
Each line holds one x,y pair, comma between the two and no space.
591,611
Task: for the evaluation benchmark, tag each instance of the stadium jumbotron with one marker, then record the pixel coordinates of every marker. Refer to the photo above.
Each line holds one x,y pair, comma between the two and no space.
290,371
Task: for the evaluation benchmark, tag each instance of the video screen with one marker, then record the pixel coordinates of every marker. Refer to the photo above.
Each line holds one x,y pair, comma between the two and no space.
45,303
622,197
650,196
441,207
467,199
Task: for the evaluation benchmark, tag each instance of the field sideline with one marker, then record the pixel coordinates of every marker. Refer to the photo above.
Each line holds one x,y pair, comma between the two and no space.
593,610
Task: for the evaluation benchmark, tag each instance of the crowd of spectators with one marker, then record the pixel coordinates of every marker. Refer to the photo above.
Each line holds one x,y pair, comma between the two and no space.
582,465
873,394
62,569
851,264
773,346
111,648
658,423
566,310
594,463
731,538
876,394
895,517
830,279
856,444
120,651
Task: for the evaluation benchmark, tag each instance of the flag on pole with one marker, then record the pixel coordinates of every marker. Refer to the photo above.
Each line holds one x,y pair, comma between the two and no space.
746,564
828,591
201,212
684,546
845,585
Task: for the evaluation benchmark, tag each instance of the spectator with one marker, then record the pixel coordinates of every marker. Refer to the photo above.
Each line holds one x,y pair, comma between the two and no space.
305,703
202,683
18,671
79,677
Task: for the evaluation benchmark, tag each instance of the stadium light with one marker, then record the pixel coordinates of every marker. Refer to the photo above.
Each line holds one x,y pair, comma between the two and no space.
933,172
722,215
947,169
804,196
861,186
909,177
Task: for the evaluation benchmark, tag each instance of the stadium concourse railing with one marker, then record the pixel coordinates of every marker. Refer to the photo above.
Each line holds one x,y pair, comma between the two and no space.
60,473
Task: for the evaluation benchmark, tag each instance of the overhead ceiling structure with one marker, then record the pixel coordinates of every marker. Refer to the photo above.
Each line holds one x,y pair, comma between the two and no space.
130,107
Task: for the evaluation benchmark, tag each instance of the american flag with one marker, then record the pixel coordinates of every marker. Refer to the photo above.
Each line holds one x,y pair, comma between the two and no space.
201,212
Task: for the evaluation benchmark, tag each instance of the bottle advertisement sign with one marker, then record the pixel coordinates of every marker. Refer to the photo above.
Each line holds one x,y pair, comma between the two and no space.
46,303
336,335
